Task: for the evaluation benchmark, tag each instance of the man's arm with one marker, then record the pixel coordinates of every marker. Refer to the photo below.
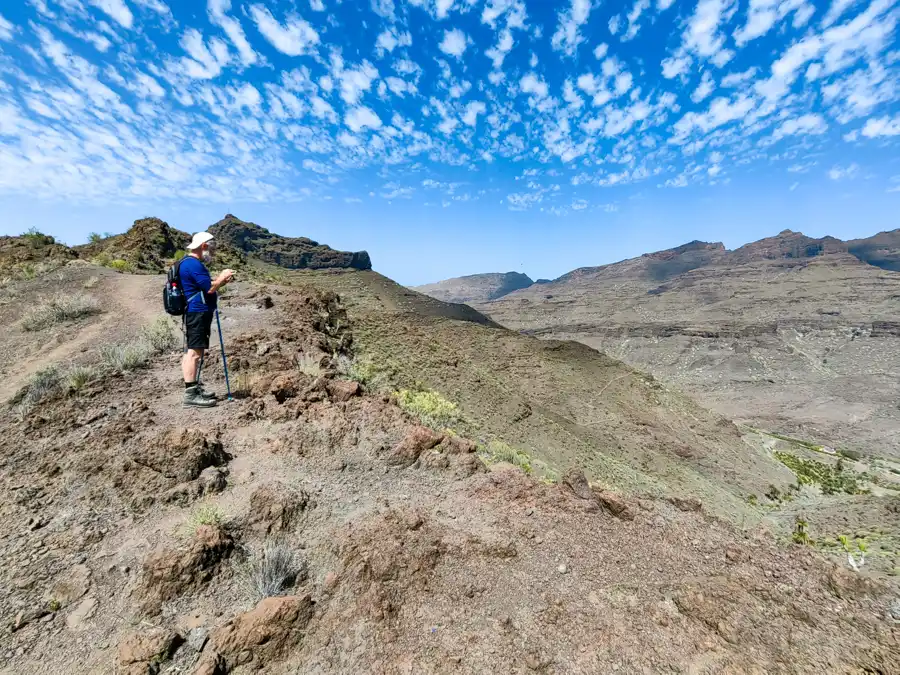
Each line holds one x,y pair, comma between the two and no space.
221,280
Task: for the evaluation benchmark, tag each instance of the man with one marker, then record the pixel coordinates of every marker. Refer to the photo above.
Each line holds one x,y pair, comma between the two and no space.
200,292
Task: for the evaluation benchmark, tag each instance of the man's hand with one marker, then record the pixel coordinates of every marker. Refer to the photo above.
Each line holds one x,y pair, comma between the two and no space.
225,277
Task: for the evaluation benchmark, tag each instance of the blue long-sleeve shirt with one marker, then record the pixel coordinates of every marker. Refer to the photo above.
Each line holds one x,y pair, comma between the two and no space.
196,282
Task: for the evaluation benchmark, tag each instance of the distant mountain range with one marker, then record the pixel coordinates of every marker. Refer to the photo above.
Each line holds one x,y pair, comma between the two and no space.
881,250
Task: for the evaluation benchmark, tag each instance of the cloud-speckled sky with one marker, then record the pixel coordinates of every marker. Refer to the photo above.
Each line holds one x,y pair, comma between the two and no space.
454,136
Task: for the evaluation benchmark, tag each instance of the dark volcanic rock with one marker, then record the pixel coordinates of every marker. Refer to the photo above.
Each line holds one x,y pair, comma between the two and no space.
290,252
148,247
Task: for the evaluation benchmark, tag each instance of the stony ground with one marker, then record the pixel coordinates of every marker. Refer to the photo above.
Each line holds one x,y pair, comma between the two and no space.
127,525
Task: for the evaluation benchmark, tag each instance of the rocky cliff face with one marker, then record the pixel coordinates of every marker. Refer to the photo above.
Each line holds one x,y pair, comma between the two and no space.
882,250
289,252
476,287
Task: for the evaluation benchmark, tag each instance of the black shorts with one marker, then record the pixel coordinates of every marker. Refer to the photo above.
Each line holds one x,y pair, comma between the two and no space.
197,327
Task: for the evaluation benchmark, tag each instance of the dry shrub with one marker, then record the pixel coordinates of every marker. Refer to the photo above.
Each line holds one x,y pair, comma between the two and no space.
60,309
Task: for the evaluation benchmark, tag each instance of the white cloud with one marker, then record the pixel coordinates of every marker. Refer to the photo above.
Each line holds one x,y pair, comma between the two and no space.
614,24
808,124
116,9
601,50
634,17
663,5
473,110
704,89
317,5
763,14
533,84
721,111
205,62
6,29
354,81
294,38
842,172
568,36
883,126
837,8
232,27
148,87
675,66
794,186
702,35
360,118
738,79
454,43
389,39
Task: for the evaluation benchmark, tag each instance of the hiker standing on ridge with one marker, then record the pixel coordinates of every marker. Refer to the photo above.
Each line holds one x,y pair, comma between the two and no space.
200,293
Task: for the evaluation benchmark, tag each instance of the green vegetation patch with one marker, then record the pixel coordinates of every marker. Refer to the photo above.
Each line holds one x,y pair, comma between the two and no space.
498,451
429,407
830,479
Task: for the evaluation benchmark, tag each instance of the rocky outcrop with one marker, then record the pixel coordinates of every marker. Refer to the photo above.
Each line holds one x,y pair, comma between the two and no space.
290,252
148,247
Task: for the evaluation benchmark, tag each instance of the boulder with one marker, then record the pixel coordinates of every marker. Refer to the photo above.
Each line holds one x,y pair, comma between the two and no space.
144,651
274,507
576,482
342,390
172,572
616,505
416,441
180,454
258,637
686,503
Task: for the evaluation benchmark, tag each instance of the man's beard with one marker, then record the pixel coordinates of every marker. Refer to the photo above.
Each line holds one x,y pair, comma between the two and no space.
206,256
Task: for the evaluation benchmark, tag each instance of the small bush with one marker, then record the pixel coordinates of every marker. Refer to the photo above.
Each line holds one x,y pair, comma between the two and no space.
308,364
159,335
429,407
498,451
827,477
243,383
37,238
120,265
122,358
43,385
94,237
206,513
270,570
78,376
60,309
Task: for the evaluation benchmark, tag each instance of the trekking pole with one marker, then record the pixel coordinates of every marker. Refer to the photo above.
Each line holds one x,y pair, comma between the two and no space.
224,361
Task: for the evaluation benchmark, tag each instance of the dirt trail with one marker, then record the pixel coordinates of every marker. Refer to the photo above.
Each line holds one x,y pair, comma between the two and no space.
127,300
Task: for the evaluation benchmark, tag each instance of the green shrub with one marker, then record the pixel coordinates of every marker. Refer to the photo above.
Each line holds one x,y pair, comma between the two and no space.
366,372
43,385
827,477
205,513
60,309
78,376
498,451
429,407
120,265
94,237
37,238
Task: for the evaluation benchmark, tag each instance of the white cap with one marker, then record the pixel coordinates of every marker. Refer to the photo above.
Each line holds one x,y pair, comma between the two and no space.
199,239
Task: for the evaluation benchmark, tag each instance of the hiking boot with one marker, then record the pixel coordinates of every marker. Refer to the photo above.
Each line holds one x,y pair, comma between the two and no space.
193,397
207,394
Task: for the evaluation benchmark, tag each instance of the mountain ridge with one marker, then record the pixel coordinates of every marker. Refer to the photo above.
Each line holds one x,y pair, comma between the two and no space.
881,250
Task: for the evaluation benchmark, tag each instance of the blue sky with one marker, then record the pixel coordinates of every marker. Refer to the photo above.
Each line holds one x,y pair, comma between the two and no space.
450,137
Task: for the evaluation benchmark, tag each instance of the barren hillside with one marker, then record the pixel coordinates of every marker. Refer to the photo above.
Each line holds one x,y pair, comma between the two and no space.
790,334
400,485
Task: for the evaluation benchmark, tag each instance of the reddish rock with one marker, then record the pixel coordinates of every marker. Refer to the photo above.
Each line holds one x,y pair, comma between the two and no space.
142,652
273,508
342,390
417,441
285,386
172,572
847,584
616,505
259,636
686,503
457,445
576,482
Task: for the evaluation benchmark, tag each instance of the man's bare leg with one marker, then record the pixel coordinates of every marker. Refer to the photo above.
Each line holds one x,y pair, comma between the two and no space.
190,364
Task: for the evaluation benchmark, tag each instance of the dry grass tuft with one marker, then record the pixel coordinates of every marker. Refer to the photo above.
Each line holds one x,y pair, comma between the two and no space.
60,309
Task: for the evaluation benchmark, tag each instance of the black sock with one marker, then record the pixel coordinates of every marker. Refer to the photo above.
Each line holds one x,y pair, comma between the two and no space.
188,385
